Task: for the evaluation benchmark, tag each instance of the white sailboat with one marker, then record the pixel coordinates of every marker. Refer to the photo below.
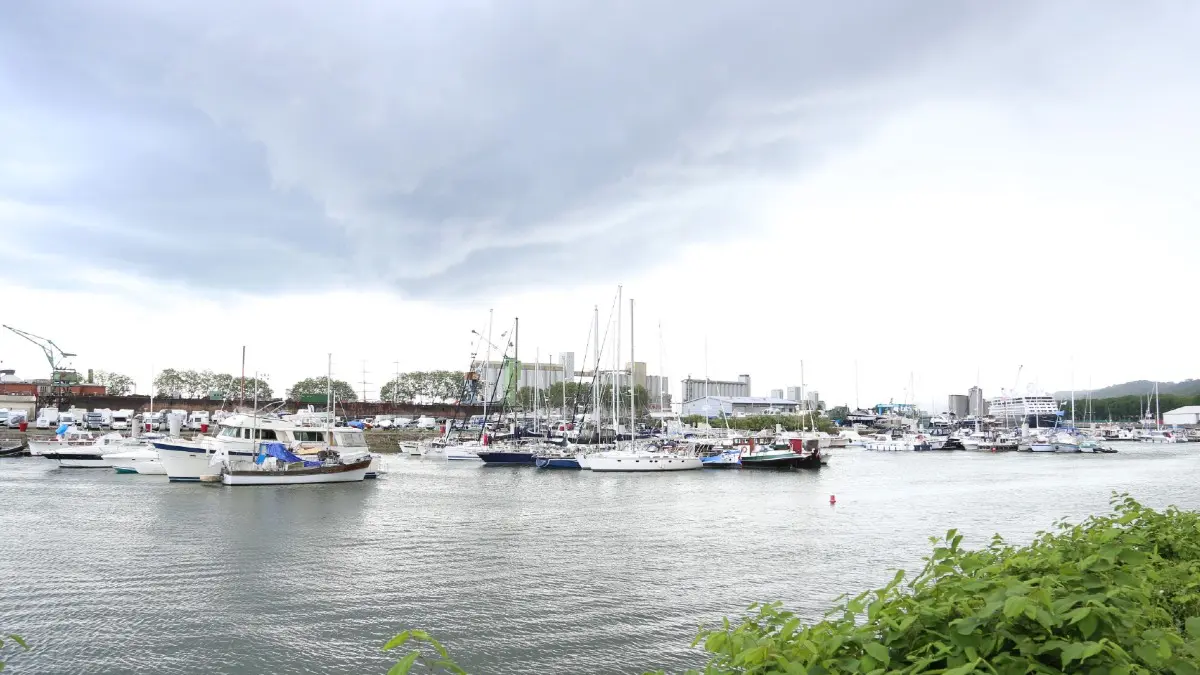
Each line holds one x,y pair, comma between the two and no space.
633,458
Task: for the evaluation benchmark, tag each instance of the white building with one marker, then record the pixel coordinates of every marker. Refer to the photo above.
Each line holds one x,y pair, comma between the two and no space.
715,406
776,393
1185,416
795,394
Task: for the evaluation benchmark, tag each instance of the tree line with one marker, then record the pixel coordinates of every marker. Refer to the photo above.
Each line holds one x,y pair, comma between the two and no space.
1126,408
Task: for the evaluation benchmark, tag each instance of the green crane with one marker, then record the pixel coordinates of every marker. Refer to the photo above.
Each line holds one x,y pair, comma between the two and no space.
62,375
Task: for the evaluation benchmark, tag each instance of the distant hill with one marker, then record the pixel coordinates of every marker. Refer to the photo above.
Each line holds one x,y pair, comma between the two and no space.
1138,387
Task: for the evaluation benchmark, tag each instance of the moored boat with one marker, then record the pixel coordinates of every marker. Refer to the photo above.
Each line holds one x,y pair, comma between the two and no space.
276,465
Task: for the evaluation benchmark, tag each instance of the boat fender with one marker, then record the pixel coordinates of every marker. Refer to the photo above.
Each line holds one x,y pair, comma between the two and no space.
832,500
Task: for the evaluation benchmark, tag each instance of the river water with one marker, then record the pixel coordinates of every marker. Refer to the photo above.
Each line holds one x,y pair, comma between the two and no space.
516,570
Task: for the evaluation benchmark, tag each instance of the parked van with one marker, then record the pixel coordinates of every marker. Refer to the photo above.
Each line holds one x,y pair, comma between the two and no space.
47,418
154,422
426,423
197,419
121,420
97,419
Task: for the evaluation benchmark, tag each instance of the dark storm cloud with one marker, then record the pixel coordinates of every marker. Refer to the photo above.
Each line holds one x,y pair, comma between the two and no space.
442,148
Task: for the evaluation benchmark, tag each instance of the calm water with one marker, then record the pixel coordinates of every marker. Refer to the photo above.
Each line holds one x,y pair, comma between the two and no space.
517,570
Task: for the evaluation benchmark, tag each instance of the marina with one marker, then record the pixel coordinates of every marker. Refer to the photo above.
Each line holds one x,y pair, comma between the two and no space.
517,570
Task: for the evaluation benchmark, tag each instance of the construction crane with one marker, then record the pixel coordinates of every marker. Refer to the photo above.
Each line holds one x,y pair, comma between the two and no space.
62,375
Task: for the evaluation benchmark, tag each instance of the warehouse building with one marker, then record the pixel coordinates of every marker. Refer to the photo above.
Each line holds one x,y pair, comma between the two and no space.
1187,416
737,406
696,388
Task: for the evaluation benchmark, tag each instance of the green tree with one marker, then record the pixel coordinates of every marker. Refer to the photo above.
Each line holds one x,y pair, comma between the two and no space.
115,384
839,412
169,383
577,396
398,389
314,386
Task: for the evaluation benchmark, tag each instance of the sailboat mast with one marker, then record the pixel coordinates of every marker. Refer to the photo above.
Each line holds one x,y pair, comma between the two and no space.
632,380
329,392
617,372
596,369
662,389
1156,411
537,363
487,364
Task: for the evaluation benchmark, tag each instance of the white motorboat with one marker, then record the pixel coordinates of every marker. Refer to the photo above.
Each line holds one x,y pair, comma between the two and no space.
852,438
1158,436
71,438
276,465
304,434
143,460
90,456
886,443
1063,441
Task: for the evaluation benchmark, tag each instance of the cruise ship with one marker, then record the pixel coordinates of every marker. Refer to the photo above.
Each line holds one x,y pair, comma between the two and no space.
1036,410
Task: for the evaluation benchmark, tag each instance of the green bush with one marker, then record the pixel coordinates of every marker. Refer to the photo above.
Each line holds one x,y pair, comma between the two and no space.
1118,594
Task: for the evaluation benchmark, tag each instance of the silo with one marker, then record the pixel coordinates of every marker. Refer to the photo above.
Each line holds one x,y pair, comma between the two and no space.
959,405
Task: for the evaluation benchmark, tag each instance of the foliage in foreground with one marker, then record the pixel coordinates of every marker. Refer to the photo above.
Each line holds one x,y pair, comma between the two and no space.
15,639
1117,594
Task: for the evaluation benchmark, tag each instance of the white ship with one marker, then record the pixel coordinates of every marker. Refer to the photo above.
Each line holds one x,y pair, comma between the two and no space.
1036,410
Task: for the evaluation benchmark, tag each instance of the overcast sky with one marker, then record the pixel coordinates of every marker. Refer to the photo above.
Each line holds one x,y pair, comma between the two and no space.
942,192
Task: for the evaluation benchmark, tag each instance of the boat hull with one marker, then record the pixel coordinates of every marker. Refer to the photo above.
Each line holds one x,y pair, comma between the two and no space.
186,463
78,460
458,455
347,473
643,464
511,458
557,463
795,461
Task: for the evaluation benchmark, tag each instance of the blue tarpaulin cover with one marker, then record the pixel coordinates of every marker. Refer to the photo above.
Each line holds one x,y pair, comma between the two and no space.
356,424
279,452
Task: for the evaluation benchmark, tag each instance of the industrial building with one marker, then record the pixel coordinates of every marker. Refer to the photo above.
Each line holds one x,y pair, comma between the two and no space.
976,405
776,393
1187,416
959,406
694,389
737,406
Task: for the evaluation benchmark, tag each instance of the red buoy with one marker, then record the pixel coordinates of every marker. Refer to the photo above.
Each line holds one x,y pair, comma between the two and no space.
832,500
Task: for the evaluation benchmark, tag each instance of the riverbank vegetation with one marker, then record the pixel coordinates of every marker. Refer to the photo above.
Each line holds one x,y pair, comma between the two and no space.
1118,594
1127,408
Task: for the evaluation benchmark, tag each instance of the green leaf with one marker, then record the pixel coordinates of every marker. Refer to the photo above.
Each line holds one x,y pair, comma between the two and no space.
878,652
19,640
398,640
403,665
1014,606
1193,626
964,669
1087,627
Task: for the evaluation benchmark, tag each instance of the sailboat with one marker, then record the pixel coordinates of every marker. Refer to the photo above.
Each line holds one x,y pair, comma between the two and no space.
634,458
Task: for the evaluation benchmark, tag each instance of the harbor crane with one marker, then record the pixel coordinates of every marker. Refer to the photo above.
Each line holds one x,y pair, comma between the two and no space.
62,375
